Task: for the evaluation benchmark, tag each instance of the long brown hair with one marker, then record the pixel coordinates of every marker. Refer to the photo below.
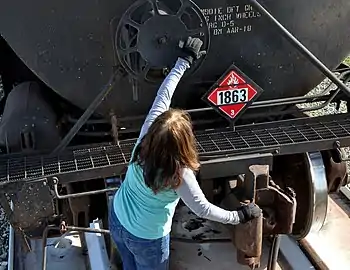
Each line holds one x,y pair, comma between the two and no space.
166,149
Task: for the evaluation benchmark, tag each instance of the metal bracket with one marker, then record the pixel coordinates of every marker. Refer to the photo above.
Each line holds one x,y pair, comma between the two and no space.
77,195
257,187
114,124
223,167
248,236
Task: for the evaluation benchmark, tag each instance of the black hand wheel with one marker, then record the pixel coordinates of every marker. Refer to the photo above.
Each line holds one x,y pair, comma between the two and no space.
148,35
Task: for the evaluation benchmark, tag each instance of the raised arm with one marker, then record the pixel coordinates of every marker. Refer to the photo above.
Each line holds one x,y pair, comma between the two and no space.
191,52
165,93
192,195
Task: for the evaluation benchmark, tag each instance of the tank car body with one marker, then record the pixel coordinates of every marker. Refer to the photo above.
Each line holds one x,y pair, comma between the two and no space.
106,59
70,46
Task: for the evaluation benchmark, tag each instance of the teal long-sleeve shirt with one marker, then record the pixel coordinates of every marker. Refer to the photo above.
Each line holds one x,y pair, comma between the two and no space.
148,215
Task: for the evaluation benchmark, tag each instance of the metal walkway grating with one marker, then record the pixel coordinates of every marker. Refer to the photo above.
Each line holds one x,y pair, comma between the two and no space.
261,137
293,136
21,168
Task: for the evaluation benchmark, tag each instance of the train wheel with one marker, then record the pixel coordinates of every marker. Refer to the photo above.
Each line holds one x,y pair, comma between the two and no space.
306,174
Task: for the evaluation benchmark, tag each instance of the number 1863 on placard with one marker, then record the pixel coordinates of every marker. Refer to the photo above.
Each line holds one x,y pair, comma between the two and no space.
232,96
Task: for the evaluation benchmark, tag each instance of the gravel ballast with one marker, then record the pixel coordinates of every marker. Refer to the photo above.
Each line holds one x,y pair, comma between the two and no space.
4,226
4,233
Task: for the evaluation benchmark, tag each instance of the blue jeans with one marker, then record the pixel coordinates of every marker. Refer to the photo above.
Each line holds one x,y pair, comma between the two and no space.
138,253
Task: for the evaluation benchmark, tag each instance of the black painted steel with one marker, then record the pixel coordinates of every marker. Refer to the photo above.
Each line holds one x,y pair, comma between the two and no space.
154,41
69,45
299,46
282,137
87,113
28,120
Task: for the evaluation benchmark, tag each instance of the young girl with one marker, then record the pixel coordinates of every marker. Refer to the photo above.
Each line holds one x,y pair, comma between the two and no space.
161,171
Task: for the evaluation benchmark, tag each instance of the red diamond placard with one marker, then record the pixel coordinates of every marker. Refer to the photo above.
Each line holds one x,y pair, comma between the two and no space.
232,110
232,78
237,94
232,94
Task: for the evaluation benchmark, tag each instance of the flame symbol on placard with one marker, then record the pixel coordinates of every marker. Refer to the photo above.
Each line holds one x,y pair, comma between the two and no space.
232,80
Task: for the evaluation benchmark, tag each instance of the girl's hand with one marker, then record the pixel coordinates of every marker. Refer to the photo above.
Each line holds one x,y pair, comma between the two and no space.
192,49
248,212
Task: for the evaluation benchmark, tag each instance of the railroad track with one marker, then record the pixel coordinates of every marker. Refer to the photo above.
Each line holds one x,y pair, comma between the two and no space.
329,248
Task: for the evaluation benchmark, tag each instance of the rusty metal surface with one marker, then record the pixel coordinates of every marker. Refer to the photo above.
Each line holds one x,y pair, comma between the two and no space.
279,205
336,172
261,175
248,236
212,252
248,241
279,210
256,177
32,205
114,124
